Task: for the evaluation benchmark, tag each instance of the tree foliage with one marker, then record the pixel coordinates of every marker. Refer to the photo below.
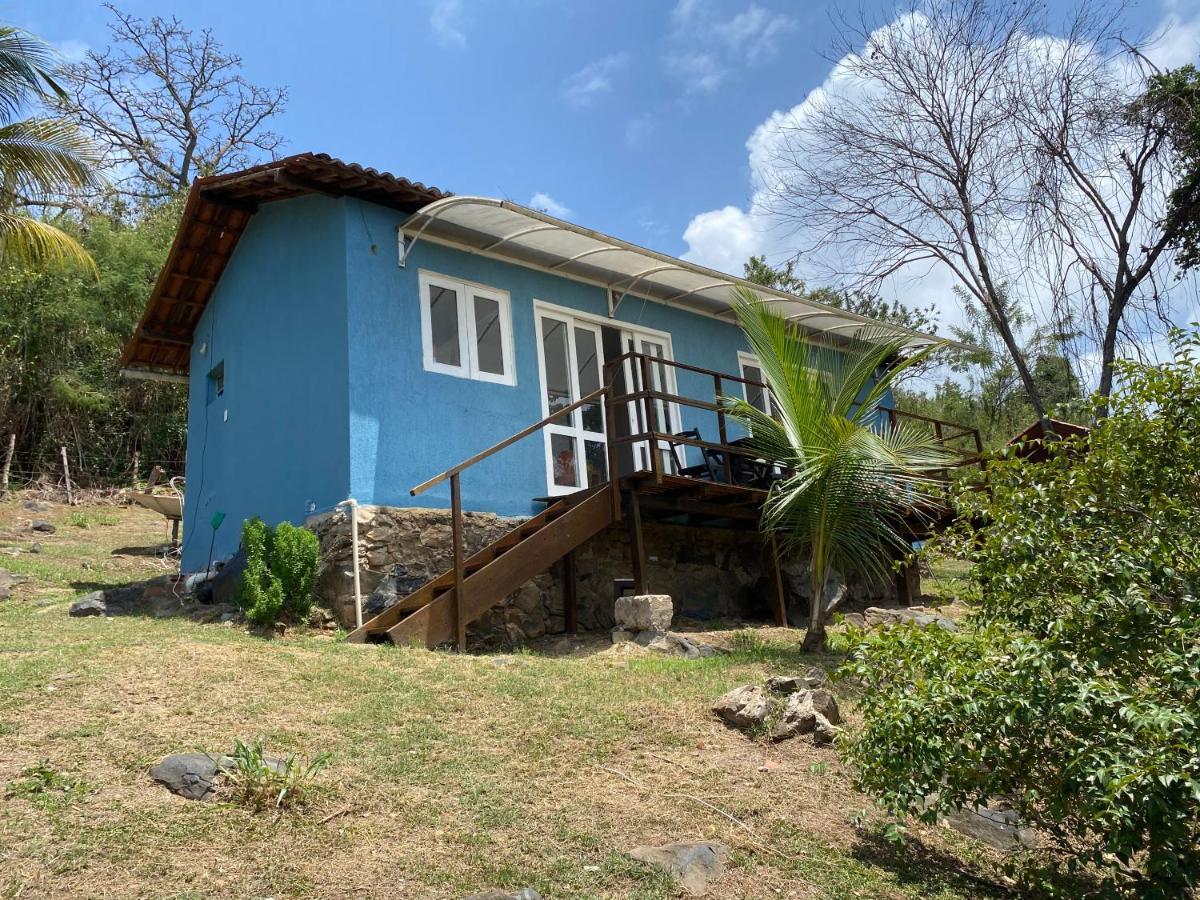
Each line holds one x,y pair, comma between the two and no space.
39,156
851,476
1074,692
1175,97
61,332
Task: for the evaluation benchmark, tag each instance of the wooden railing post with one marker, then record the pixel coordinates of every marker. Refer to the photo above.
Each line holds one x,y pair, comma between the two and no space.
722,432
610,432
651,419
456,526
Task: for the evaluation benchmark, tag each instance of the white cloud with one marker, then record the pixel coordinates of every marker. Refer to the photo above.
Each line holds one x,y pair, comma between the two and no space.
446,22
1178,39
594,79
638,130
705,47
72,51
543,202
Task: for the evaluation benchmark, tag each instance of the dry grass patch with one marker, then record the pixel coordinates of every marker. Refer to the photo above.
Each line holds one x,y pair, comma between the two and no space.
447,774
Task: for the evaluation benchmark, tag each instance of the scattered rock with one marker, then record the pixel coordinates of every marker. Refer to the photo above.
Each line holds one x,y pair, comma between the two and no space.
8,581
997,828
854,620
42,526
789,684
674,644
320,617
190,775
620,635
36,506
694,865
91,605
35,547
644,612
745,707
497,894
887,617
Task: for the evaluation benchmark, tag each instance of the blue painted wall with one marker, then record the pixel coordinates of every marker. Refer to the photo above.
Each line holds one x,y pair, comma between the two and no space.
319,331
276,443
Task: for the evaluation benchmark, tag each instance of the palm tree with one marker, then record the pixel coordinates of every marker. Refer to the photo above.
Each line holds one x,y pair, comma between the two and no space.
39,157
851,477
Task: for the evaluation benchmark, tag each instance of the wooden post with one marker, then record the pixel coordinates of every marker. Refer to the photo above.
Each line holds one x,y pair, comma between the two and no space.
722,432
67,476
137,466
779,596
570,594
651,420
459,580
8,458
637,549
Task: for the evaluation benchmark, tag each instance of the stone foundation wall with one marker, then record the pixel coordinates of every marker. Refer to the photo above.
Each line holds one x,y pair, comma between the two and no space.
711,573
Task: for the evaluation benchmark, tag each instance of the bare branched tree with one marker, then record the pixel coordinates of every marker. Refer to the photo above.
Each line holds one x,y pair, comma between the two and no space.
1100,178
959,136
169,105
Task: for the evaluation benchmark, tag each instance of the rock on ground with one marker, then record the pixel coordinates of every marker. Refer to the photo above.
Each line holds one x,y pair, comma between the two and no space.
644,612
92,604
42,526
745,707
497,894
8,581
886,617
694,864
673,644
190,775
788,684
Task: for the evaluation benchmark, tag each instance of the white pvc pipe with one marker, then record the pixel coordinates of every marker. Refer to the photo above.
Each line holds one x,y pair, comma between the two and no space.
353,504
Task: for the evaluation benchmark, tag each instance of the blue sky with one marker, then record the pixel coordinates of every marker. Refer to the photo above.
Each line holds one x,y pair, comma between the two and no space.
630,117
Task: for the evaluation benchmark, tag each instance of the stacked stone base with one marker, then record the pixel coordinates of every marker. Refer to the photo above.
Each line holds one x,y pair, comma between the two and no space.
711,573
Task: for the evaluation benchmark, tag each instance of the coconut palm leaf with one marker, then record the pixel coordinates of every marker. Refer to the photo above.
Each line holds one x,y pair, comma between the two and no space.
42,156
26,67
29,241
852,477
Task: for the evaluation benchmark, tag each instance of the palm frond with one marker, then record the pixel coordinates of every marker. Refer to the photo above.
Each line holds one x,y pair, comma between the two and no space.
26,67
852,477
32,242
43,156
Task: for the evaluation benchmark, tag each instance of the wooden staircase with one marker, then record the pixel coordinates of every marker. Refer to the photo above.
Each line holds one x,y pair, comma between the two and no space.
430,615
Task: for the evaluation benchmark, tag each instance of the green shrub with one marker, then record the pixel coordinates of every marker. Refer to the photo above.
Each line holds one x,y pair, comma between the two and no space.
281,571
1074,692
260,782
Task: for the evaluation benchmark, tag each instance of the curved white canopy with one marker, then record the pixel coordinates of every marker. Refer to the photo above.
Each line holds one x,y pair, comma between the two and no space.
510,231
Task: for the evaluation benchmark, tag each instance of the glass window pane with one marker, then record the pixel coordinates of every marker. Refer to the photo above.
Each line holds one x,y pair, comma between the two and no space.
596,457
557,364
563,456
489,343
755,395
444,325
587,356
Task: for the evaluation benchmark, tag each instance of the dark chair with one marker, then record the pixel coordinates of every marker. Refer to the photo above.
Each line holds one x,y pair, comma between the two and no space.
712,458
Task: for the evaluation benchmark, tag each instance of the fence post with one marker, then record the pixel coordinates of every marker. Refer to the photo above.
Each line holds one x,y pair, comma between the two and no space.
67,476
137,465
8,458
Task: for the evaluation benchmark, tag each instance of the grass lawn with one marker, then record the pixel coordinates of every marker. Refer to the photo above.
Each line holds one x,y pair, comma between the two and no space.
449,773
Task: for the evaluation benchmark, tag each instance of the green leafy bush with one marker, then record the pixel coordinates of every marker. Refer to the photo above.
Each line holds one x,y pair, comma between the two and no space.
1074,692
261,782
281,570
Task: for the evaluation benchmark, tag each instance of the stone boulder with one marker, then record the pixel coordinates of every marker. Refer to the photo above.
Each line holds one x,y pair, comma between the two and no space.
8,581
695,864
999,828
673,644
789,684
645,612
745,707
498,894
889,617
41,526
190,775
92,604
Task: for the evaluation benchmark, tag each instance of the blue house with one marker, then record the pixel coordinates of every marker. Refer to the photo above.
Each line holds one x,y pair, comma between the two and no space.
349,333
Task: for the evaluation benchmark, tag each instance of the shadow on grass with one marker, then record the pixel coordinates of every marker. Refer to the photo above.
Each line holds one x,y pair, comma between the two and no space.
917,865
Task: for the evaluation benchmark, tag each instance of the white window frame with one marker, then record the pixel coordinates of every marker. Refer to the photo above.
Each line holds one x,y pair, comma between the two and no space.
749,359
467,291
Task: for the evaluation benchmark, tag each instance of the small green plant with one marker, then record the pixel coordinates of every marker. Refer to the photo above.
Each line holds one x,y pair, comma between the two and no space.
281,570
262,782
82,519
44,786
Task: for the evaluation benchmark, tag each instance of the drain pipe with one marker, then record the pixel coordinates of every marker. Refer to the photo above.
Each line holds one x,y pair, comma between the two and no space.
353,505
